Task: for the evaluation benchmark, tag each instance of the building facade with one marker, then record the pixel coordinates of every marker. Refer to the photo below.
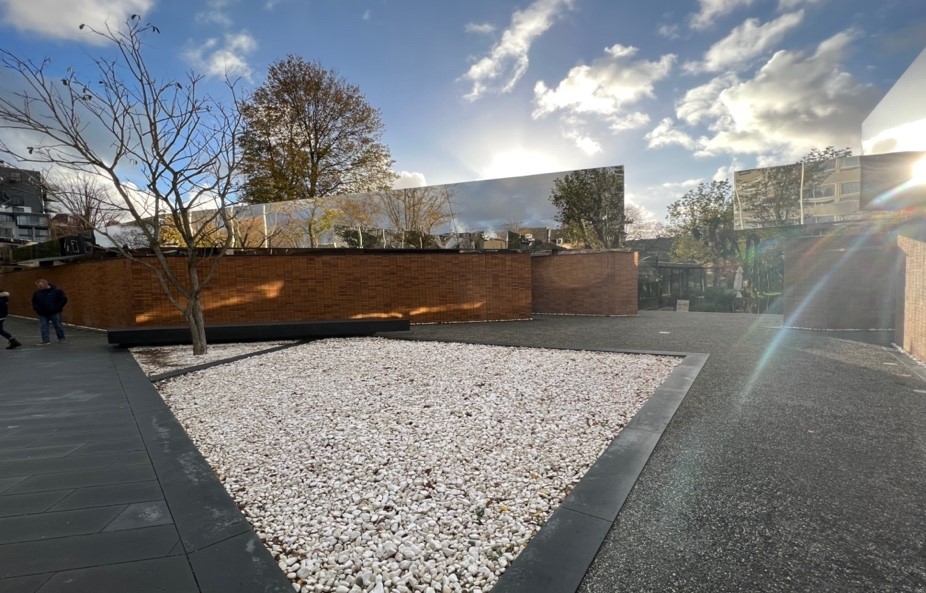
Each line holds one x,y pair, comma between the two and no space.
23,218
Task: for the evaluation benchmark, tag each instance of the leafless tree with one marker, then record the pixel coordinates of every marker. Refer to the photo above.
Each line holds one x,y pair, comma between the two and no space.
168,150
416,212
85,200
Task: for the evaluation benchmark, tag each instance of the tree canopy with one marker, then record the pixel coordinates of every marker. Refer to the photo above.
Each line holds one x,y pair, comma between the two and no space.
772,196
701,222
308,133
590,203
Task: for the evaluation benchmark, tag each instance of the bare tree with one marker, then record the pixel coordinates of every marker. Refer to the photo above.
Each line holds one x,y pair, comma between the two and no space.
174,143
85,200
415,212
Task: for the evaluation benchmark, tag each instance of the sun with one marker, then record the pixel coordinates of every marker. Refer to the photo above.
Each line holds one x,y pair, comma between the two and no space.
518,162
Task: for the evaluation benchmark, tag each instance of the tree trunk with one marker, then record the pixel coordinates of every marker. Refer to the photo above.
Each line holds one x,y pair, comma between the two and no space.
194,317
194,313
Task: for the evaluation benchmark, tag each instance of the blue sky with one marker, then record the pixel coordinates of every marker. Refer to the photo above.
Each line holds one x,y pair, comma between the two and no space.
677,92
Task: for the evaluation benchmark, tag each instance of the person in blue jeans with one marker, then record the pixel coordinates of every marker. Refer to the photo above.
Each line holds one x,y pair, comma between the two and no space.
48,301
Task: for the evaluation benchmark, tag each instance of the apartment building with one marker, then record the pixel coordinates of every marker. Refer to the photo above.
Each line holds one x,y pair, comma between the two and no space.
823,192
23,218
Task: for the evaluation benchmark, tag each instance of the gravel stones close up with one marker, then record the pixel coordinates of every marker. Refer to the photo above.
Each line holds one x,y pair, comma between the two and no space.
368,464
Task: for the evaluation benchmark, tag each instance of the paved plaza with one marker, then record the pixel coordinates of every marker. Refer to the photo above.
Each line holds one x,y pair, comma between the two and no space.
796,462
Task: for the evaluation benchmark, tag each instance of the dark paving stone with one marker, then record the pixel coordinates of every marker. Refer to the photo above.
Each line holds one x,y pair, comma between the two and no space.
142,514
96,496
28,453
7,483
60,464
202,509
172,575
605,486
68,553
26,528
81,479
557,557
110,446
28,584
34,502
239,564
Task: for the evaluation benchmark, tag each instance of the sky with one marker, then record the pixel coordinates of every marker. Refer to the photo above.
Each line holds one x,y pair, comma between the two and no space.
678,92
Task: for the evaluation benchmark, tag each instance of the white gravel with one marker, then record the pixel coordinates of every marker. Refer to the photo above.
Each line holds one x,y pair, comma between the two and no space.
390,466
154,361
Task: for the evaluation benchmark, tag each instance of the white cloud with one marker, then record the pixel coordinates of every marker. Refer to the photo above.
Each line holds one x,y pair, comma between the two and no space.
791,4
228,57
407,179
506,63
61,19
669,31
702,103
714,9
215,13
479,28
665,134
676,185
744,43
793,103
605,88
367,14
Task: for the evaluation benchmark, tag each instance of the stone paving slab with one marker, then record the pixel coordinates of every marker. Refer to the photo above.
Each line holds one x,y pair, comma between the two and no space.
101,490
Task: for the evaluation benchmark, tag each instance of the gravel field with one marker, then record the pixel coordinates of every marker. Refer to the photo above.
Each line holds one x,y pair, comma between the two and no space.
368,464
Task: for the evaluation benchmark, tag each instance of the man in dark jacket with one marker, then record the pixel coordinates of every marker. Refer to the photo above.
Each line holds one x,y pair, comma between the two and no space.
48,302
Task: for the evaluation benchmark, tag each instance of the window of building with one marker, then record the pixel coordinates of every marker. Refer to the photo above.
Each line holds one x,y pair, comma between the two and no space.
6,218
30,220
823,218
41,232
849,187
24,233
848,162
825,191
829,165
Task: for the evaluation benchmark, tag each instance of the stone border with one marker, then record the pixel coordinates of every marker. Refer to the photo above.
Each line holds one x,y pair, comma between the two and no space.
223,549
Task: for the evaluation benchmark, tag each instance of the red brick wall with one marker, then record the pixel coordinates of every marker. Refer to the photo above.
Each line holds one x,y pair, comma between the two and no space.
424,287
603,283
841,282
910,332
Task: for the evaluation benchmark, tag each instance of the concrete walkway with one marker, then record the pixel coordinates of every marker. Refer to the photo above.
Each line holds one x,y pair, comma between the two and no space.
796,462
100,488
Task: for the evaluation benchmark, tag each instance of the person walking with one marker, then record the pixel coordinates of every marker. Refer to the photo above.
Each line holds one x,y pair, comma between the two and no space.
4,311
48,301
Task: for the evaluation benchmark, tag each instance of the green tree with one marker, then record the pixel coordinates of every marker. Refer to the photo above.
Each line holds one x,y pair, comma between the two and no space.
591,203
772,196
123,122
701,222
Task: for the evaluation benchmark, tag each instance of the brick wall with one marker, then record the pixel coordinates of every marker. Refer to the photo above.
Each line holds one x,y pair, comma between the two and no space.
841,282
603,283
910,332
424,287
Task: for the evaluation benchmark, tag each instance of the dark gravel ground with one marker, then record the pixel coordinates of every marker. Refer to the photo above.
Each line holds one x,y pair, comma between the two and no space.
797,461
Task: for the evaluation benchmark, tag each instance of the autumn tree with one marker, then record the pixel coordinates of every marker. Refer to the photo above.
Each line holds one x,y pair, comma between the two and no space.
701,222
165,149
772,196
309,134
590,203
